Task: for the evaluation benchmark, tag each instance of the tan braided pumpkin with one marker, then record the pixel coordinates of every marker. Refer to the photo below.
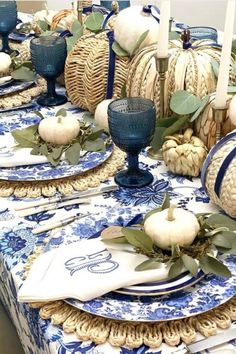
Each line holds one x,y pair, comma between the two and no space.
227,196
205,126
86,71
189,69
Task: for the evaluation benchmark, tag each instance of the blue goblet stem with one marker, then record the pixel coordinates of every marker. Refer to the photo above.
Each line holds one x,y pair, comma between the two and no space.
5,44
132,163
51,87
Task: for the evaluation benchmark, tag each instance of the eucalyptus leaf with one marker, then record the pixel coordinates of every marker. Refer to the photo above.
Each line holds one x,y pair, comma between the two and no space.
176,126
175,251
57,152
39,114
88,117
147,265
156,210
72,154
23,73
47,33
231,89
70,41
138,239
166,121
218,220
117,240
96,133
54,162
221,241
43,25
25,137
210,264
76,26
204,103
215,66
190,264
94,145
94,21
176,268
183,102
157,140
43,150
140,41
61,112
118,50
173,35
234,46
35,150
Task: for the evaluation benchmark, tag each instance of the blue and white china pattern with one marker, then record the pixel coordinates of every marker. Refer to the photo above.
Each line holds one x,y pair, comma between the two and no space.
45,171
17,242
15,86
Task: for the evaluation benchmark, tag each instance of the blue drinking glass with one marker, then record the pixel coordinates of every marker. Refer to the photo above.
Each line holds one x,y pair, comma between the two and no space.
48,54
132,123
8,21
201,32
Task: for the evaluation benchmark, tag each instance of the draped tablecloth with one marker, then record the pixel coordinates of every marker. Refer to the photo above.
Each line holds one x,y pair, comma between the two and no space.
17,243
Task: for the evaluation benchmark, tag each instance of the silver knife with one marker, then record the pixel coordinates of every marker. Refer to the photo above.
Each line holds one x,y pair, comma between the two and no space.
212,341
47,201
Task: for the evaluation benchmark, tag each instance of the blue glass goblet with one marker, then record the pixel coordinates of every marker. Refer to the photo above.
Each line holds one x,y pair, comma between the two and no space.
48,54
132,124
8,21
203,32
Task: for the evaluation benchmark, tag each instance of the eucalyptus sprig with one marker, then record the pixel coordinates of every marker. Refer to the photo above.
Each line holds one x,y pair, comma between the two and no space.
90,138
217,231
21,70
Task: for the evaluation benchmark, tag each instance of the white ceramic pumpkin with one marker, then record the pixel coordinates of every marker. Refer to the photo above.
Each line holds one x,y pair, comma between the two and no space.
5,62
130,24
100,115
44,15
59,130
172,226
232,110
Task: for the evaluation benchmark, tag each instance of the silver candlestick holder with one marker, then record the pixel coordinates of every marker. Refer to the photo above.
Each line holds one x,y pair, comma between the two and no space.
162,68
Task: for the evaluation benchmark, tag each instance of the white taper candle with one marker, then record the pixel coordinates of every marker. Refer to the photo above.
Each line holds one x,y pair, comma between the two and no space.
163,35
223,77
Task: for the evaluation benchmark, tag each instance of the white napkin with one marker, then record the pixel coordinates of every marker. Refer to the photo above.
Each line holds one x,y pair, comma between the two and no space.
84,270
10,156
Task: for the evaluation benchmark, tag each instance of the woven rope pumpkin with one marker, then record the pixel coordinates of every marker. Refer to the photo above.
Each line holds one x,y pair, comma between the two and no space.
86,71
219,174
205,126
189,69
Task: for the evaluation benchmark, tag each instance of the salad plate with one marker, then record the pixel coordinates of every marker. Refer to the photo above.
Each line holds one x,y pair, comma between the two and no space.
15,86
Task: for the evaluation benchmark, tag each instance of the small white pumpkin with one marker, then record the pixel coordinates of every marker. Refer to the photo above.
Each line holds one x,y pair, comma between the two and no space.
130,24
100,115
5,62
59,130
172,226
232,110
45,15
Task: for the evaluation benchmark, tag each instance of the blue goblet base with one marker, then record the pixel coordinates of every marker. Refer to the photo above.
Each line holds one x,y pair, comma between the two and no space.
46,100
135,179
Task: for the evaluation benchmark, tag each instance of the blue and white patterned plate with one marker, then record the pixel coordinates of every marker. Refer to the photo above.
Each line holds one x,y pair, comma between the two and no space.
15,86
45,171
209,293
163,287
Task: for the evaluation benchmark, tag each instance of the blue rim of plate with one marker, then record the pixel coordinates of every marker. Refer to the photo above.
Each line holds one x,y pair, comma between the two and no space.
7,83
16,86
182,281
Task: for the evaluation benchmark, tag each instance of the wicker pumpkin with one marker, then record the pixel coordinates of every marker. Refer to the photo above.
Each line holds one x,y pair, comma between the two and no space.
184,154
189,69
219,174
87,69
205,126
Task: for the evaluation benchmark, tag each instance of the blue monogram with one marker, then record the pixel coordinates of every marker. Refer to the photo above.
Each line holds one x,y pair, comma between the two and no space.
98,262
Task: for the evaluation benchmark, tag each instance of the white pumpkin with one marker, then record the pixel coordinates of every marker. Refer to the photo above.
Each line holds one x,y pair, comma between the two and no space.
5,62
232,110
130,24
44,15
100,115
172,226
59,130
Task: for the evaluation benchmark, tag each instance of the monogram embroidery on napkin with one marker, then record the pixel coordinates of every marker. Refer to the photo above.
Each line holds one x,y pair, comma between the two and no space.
98,262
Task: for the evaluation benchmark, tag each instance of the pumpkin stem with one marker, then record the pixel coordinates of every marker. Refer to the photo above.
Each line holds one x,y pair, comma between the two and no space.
170,213
188,134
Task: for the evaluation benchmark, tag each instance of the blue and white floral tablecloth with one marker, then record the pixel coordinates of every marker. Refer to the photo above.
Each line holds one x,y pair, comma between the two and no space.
17,243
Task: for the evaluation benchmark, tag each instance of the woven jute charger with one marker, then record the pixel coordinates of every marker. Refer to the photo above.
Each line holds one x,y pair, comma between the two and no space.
68,185
131,334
